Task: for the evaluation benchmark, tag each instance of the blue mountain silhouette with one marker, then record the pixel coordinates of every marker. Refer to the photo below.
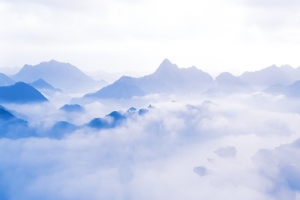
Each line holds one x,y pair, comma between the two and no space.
5,115
142,111
111,120
41,84
60,129
20,93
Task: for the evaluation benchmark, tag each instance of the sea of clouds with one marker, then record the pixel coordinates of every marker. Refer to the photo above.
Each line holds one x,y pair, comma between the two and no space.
188,147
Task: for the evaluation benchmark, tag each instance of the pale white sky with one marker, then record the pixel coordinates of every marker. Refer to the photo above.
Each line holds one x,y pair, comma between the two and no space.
119,35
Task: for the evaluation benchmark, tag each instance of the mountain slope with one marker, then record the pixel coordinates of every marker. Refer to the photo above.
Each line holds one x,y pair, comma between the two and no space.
292,72
11,126
266,77
226,84
292,90
41,84
61,75
117,90
168,78
20,93
5,80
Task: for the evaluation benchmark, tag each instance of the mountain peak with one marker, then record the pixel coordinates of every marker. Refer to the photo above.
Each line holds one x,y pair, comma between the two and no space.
272,67
225,74
42,84
226,78
166,61
20,92
166,66
39,81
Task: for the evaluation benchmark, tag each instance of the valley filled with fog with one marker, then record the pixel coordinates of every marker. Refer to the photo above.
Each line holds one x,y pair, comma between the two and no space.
176,133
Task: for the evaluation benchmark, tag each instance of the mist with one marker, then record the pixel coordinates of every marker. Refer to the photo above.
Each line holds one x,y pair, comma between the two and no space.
202,148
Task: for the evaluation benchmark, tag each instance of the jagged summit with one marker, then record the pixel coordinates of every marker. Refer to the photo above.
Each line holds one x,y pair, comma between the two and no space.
168,78
166,67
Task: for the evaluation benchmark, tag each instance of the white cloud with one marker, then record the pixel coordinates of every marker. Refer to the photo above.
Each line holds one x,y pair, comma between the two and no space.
281,167
153,156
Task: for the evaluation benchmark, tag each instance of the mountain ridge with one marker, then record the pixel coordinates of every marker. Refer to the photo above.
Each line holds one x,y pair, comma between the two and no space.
60,75
167,78
266,77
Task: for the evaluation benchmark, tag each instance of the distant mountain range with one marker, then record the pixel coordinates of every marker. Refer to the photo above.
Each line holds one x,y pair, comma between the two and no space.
168,78
227,84
20,93
60,75
266,77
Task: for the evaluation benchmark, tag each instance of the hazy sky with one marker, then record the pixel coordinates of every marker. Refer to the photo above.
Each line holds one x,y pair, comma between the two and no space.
118,35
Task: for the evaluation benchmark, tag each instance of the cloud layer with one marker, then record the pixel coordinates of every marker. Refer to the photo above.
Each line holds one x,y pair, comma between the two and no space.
189,149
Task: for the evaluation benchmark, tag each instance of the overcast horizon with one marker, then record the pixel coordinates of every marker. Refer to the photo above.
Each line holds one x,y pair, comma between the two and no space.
214,36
